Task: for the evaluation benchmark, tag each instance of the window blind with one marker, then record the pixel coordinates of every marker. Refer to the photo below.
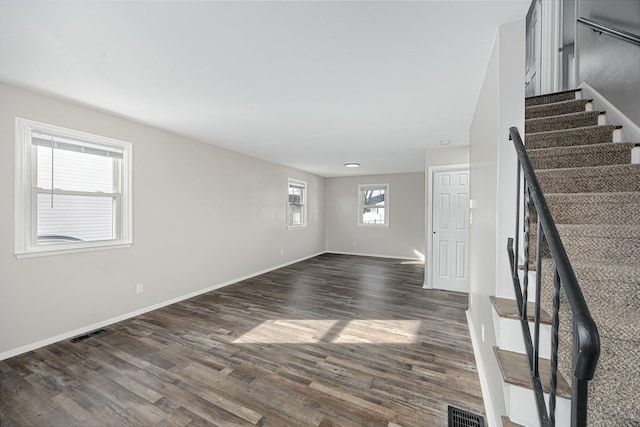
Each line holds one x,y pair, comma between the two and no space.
62,143
86,170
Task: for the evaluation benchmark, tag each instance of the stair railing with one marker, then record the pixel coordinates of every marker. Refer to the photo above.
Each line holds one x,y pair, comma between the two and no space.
600,28
586,341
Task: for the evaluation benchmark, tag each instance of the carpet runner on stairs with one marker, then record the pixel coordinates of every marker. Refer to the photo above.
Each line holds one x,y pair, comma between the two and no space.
587,135
593,192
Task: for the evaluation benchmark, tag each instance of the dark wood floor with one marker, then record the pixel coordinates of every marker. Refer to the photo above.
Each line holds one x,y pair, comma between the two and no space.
331,341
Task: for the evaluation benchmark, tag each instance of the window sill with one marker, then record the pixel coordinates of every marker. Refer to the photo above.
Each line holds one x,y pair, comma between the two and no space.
374,225
296,227
65,249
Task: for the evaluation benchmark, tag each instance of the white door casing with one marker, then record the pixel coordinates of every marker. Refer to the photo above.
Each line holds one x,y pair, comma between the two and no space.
532,54
449,228
543,55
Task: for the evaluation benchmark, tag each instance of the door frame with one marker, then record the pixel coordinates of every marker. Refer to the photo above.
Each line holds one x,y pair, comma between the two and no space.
533,45
549,65
428,256
550,46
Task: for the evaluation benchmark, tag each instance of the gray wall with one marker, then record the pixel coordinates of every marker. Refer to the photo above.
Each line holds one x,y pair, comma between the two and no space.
623,14
492,188
405,235
609,65
203,216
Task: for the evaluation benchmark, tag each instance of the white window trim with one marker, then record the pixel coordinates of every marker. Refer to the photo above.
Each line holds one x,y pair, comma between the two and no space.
386,204
24,223
304,203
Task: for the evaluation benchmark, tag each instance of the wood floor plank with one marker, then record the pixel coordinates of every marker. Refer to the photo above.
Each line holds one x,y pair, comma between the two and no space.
332,341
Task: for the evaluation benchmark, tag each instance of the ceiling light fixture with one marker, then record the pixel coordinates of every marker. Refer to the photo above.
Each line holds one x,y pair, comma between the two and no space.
352,165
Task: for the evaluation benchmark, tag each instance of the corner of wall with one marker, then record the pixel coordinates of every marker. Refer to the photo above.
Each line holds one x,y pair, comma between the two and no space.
500,105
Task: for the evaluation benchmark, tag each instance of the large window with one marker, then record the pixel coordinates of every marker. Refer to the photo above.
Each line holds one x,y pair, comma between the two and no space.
73,190
373,205
297,203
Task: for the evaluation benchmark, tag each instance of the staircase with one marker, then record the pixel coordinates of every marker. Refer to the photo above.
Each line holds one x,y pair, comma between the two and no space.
593,191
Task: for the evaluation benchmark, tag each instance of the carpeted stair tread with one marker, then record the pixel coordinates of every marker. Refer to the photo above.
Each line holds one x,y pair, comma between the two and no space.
581,155
556,108
618,244
566,137
593,193
564,121
515,370
597,179
552,97
616,419
605,286
613,393
595,208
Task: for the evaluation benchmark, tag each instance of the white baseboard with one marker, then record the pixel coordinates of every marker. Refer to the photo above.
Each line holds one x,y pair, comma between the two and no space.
83,330
493,419
375,255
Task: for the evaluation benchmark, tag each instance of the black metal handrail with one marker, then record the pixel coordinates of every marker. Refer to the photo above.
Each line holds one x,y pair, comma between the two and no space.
586,341
611,30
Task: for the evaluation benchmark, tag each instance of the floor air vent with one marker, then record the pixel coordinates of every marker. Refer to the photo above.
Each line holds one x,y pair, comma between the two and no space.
88,335
461,418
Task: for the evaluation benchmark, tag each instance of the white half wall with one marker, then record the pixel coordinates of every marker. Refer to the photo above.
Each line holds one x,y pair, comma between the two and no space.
203,216
492,189
403,238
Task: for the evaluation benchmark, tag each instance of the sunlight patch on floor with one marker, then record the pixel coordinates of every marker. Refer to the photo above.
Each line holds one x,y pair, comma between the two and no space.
309,331
419,261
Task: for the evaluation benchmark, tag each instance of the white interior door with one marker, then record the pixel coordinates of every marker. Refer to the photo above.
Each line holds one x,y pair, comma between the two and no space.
450,240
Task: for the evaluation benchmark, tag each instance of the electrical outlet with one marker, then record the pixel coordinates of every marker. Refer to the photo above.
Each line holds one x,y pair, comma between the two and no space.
281,252
355,244
139,288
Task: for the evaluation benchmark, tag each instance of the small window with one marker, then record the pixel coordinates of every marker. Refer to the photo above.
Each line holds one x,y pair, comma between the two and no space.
73,190
373,205
297,203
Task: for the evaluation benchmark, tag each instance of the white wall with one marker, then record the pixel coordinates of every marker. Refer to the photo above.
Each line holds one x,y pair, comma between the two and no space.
492,187
203,216
404,238
457,155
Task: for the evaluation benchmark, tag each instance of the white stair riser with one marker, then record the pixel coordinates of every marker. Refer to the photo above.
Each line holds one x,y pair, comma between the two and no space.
509,335
617,136
635,156
531,293
521,406
602,120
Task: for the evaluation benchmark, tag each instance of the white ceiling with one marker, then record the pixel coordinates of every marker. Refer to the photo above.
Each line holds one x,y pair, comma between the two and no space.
311,85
